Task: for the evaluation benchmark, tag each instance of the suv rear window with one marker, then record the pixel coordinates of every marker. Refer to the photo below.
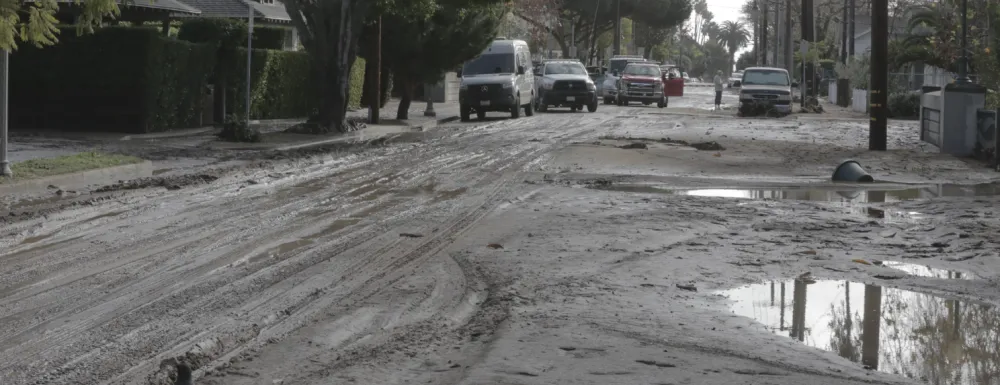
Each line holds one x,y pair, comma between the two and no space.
765,78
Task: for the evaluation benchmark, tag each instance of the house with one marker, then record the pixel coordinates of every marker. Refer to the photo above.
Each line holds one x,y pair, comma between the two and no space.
271,13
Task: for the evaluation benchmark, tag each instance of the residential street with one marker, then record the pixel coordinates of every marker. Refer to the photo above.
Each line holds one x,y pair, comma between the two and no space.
527,251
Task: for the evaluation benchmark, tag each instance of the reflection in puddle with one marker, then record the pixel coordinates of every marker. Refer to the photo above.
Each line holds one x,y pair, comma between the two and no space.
819,194
919,336
927,271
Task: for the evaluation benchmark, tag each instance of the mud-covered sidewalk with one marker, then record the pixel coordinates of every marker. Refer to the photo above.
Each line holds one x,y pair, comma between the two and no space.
629,246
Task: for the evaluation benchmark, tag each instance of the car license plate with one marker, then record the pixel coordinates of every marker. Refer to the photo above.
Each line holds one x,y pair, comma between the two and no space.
484,103
570,98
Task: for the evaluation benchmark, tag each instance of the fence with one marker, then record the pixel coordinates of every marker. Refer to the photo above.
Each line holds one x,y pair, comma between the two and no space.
986,137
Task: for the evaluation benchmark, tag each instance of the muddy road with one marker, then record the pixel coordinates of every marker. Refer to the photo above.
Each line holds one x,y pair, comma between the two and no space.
574,248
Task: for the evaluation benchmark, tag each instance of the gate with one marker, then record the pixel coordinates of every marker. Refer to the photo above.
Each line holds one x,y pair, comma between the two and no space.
930,126
986,137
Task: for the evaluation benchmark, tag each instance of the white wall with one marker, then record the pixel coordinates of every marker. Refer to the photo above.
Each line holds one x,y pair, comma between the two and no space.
859,100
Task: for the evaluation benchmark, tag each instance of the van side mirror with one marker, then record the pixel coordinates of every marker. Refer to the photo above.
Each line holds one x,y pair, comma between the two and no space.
520,70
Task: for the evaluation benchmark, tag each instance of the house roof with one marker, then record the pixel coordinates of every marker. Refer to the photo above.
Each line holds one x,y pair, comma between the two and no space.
172,6
237,9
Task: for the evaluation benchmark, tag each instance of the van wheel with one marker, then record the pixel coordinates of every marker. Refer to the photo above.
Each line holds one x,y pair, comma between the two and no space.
529,109
515,112
481,115
464,112
592,106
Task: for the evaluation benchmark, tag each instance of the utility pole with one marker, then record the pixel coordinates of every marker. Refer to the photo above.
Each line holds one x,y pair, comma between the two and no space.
850,30
777,32
763,35
789,54
4,111
618,27
593,34
877,134
249,57
843,98
963,69
808,72
375,105
756,33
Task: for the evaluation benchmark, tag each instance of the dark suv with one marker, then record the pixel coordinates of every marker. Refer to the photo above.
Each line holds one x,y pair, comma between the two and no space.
564,83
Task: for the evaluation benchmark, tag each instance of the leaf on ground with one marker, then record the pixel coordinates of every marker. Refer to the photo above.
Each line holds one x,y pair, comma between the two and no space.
495,246
861,261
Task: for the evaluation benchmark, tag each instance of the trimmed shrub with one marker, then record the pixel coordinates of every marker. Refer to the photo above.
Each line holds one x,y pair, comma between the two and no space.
117,79
282,86
357,83
904,105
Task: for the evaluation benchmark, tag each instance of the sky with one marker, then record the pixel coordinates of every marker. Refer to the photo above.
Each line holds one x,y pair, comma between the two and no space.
723,10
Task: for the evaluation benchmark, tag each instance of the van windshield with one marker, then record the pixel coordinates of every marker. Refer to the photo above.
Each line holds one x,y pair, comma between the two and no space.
494,63
765,78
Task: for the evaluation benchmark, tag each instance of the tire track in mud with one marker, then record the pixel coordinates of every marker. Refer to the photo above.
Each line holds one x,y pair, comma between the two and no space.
150,301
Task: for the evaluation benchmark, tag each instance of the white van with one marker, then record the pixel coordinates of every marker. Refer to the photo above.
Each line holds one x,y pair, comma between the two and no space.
500,79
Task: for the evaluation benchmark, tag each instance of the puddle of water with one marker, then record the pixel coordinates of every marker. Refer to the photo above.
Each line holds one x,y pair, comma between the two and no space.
927,271
919,336
820,194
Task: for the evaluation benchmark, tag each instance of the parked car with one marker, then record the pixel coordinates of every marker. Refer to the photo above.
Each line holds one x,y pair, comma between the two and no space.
735,79
617,64
642,82
499,79
565,83
768,85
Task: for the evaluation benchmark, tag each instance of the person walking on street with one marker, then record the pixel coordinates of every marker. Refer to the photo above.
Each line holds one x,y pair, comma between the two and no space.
718,90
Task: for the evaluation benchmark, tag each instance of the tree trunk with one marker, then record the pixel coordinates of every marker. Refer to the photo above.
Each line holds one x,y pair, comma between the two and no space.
407,89
329,31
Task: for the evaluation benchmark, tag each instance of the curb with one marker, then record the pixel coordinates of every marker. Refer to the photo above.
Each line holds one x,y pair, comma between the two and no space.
323,142
170,134
77,180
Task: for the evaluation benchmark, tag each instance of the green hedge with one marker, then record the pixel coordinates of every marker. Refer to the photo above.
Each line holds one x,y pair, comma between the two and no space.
117,79
231,33
281,88
282,85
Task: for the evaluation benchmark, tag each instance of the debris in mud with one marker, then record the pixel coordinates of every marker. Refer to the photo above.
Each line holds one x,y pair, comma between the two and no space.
708,146
567,348
410,235
861,261
811,106
635,146
656,363
688,287
170,183
495,246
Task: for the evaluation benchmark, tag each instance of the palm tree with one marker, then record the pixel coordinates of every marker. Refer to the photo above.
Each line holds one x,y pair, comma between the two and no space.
733,35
